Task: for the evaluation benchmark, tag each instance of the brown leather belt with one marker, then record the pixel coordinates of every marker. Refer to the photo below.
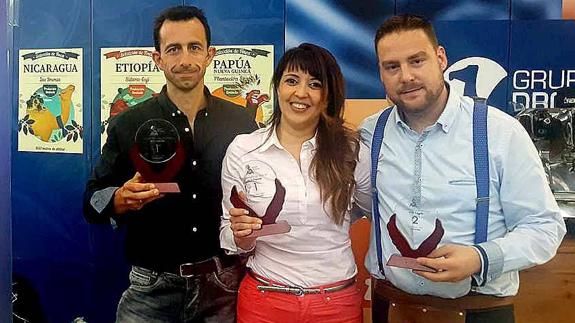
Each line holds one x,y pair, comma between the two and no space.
472,301
296,290
204,267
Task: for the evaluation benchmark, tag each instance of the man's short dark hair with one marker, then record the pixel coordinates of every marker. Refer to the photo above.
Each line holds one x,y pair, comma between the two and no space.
405,22
180,13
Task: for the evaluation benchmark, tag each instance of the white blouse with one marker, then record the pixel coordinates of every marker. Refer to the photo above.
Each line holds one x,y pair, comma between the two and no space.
316,251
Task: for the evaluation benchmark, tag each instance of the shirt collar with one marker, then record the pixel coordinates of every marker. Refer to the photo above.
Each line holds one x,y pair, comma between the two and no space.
273,140
269,139
312,141
447,117
165,101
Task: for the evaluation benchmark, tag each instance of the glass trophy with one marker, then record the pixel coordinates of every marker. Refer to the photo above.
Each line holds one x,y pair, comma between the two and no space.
265,198
158,154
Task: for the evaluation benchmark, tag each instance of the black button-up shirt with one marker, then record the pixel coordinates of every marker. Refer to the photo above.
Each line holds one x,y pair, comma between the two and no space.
181,227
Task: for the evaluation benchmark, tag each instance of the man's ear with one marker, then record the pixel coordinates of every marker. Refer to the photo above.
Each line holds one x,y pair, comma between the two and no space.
157,57
211,54
442,57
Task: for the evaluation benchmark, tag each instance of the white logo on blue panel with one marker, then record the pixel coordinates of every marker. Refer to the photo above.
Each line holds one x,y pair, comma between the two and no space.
475,76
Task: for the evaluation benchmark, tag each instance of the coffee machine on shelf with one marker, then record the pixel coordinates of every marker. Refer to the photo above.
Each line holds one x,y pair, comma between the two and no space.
553,133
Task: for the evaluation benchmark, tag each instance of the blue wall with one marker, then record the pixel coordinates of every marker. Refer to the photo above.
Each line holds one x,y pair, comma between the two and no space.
5,214
504,35
51,240
78,269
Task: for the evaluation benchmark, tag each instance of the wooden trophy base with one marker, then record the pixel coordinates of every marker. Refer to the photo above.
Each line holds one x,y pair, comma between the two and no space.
167,187
408,263
271,229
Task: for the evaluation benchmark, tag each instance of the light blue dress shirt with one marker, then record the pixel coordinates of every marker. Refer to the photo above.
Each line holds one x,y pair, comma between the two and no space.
422,177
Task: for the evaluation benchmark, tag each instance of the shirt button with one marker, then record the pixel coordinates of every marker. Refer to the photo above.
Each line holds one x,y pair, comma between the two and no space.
421,283
206,114
194,196
173,114
194,163
194,229
179,112
187,129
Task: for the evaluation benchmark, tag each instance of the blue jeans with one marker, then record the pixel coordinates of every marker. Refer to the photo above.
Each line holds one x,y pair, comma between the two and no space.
164,297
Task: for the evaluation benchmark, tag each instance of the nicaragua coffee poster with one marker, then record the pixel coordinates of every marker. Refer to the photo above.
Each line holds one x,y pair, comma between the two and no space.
128,76
242,74
50,100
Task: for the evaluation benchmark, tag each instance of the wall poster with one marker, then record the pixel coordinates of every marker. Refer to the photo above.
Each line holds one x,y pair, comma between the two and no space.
50,100
128,76
242,74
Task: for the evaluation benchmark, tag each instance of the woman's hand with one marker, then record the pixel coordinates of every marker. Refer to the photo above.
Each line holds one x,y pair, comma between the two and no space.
242,225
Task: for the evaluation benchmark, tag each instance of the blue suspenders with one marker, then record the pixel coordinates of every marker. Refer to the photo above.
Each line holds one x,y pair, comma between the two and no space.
480,159
375,148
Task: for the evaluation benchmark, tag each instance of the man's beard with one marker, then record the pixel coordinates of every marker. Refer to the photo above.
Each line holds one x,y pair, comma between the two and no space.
430,97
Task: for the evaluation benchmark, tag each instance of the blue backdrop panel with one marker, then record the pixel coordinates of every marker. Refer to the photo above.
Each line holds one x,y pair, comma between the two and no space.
246,22
475,34
50,238
456,9
5,214
485,47
541,60
347,30
115,24
536,10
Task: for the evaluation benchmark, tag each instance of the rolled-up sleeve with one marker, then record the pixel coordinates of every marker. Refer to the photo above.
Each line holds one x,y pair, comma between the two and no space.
104,181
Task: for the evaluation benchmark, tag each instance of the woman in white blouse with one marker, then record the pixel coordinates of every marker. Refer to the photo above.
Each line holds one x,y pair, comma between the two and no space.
308,273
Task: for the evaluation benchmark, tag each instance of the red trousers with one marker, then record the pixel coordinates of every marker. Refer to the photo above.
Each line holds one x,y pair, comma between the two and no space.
256,306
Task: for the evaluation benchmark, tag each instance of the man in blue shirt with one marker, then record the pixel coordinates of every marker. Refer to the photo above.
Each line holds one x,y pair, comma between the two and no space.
426,188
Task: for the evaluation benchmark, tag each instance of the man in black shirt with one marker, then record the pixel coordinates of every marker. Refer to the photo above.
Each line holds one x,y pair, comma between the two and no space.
179,273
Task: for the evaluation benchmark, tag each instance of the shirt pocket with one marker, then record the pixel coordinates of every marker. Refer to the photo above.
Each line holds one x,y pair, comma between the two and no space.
462,181
462,192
